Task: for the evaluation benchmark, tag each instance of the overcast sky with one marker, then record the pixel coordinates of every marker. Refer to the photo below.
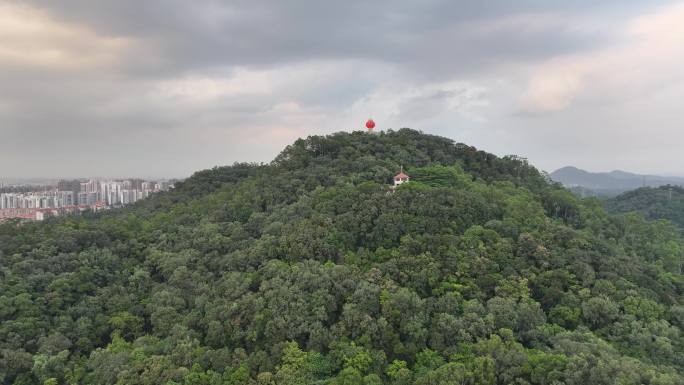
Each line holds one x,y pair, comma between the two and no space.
168,87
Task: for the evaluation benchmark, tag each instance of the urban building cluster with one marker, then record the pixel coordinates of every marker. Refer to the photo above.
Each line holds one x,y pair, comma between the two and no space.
75,196
116,193
36,200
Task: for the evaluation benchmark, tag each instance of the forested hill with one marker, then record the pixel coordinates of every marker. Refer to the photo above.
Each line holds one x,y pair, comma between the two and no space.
665,202
310,270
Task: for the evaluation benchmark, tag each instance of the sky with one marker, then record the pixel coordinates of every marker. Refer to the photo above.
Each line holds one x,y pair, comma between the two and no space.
164,88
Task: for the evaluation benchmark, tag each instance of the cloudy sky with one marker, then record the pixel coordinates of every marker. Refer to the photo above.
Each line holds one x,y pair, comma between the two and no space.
168,87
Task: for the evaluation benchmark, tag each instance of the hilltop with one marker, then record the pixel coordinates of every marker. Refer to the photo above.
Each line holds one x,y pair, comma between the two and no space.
312,270
608,183
665,202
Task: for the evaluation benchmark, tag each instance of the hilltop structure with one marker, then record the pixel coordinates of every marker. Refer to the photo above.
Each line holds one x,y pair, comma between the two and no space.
401,178
370,125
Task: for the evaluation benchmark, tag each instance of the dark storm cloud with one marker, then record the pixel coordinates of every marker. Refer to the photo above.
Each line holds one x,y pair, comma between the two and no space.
445,35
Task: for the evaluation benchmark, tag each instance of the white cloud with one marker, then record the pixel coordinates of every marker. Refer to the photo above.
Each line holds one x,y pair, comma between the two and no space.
647,57
400,104
204,88
30,37
552,90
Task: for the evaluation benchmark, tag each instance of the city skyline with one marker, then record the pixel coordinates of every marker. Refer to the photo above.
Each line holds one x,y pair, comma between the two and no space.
32,180
73,196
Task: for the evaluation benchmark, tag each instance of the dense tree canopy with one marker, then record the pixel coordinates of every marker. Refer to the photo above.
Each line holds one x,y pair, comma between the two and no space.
311,270
665,202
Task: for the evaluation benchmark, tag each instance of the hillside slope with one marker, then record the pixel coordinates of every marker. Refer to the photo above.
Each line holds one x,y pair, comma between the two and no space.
665,202
309,270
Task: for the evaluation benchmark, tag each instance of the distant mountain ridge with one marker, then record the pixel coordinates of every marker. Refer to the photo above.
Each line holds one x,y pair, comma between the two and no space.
610,183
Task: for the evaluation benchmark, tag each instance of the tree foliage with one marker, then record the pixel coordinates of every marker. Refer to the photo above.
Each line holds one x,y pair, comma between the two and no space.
311,270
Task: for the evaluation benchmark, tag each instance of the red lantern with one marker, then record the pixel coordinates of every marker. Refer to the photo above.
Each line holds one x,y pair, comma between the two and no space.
370,124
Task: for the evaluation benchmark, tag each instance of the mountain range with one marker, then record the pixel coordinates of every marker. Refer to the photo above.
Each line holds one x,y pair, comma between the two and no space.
609,183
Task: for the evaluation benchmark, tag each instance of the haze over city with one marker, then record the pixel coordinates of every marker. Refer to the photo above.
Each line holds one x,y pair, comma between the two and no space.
166,88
